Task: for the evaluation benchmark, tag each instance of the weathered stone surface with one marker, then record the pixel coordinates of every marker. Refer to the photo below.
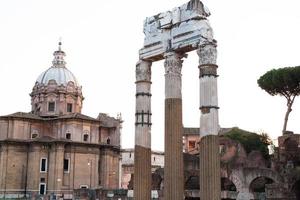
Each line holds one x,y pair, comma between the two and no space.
210,175
142,173
173,66
209,120
182,29
143,104
207,53
143,70
169,35
242,177
174,179
142,151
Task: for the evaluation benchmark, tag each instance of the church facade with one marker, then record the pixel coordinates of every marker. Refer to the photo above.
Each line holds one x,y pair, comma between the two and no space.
55,149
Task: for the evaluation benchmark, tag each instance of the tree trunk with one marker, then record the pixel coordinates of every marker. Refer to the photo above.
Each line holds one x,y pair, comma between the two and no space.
289,109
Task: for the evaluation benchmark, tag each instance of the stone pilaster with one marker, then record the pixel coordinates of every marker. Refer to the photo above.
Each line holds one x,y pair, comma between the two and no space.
104,168
210,185
59,165
173,181
3,167
55,168
142,151
33,169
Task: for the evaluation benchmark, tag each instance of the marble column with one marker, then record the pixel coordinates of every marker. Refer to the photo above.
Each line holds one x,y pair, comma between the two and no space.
173,173
142,150
210,179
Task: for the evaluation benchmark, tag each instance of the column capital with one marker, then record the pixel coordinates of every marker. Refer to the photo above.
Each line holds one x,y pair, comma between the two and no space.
173,66
207,54
143,70
173,63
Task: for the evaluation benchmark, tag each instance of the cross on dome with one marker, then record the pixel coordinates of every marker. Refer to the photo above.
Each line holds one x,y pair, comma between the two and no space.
59,44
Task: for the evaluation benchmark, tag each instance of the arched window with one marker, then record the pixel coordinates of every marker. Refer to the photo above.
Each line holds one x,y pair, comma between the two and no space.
108,141
85,137
86,134
68,136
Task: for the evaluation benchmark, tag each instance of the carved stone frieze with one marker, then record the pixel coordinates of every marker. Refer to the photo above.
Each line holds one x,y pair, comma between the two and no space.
182,29
143,70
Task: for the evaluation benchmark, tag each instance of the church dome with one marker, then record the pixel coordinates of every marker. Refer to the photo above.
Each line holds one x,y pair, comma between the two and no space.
56,91
58,71
61,75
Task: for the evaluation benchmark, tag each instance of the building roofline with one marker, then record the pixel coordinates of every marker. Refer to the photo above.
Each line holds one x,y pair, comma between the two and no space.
62,141
73,116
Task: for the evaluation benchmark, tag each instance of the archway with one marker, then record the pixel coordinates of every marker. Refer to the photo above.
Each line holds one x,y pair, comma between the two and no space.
296,189
258,185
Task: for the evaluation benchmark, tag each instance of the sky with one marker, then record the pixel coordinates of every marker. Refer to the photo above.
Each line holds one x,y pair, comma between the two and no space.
102,39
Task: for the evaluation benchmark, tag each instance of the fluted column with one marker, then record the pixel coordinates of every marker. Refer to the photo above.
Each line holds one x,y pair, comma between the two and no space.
173,173
210,179
142,150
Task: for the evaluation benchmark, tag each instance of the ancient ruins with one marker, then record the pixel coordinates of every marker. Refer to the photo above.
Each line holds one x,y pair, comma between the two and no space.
170,35
245,173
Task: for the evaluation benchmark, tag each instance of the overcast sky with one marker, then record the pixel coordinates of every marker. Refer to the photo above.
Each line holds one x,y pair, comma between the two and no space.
102,39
